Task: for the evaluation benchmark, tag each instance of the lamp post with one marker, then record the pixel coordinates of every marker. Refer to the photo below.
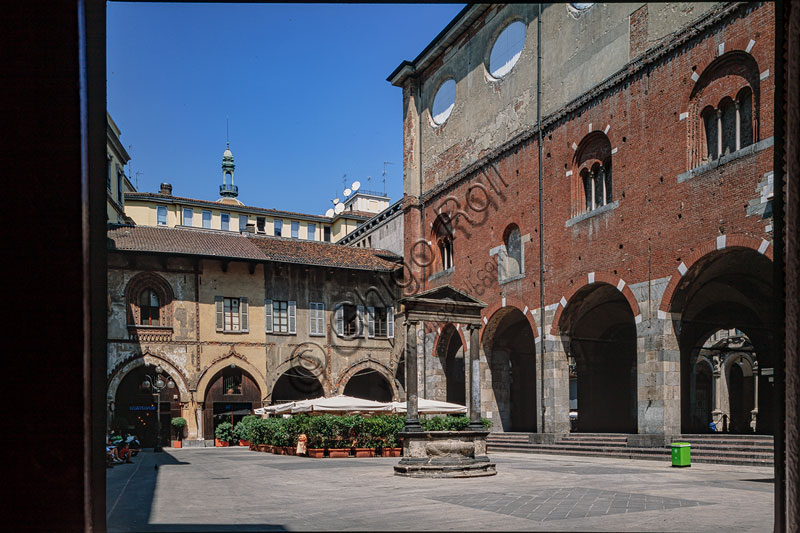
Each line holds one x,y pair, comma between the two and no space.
157,384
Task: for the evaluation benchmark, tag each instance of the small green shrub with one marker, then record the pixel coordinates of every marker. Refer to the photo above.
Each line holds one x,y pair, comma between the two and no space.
486,423
322,431
224,431
244,428
178,423
444,423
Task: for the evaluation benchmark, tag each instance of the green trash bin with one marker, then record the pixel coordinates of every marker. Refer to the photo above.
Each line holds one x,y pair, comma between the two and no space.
681,454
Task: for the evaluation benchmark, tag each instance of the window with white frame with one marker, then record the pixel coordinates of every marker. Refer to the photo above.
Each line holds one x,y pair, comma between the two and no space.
162,215
243,222
316,318
261,223
295,230
187,216
207,219
232,314
349,320
225,221
327,233
380,322
281,316
278,228
312,232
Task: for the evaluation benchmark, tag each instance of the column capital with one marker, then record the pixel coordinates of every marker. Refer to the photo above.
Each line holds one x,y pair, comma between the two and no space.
473,327
407,322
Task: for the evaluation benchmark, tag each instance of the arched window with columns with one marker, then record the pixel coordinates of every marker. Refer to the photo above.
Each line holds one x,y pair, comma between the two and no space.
592,173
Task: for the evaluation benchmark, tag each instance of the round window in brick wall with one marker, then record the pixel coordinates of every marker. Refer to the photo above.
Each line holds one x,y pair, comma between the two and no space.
444,101
507,49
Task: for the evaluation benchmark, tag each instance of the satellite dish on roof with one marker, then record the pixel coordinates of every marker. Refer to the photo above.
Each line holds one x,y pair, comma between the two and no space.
335,201
329,213
338,209
347,192
355,186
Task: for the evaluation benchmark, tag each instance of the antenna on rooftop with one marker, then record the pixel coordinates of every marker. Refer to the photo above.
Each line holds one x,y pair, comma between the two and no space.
227,132
384,175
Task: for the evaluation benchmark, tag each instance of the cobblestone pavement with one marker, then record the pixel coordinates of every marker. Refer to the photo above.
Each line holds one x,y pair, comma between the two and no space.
224,489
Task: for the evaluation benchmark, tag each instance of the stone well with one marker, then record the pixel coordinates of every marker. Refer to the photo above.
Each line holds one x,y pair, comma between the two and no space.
444,454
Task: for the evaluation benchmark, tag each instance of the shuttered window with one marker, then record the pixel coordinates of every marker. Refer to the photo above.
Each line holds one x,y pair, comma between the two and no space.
316,318
232,314
390,322
268,315
350,320
378,322
283,316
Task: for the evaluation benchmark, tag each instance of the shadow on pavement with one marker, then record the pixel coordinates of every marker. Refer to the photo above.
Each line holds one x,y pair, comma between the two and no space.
130,491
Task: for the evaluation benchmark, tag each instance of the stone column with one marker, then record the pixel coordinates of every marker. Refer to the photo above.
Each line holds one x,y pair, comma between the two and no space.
754,412
719,132
412,382
716,412
199,419
474,388
738,126
659,376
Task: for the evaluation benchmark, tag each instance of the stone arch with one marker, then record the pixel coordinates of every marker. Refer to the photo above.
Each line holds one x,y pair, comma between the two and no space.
597,277
597,329
509,301
450,349
147,358
724,285
366,364
315,371
722,242
218,364
509,344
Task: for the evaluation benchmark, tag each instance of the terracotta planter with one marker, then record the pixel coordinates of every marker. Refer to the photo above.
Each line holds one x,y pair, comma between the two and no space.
339,452
221,443
244,443
290,450
261,447
252,447
317,453
365,452
278,450
176,444
391,452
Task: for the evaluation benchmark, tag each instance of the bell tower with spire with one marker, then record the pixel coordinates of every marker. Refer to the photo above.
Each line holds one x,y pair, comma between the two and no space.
228,192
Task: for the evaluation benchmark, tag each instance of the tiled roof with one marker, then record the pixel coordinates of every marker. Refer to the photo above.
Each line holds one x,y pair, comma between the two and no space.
226,244
183,241
325,254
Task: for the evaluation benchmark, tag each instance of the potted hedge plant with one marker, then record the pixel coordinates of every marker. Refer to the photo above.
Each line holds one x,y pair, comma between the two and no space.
178,423
394,425
321,431
241,432
342,440
223,434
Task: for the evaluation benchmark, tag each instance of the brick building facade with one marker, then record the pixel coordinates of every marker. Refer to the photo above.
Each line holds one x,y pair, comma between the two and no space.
655,217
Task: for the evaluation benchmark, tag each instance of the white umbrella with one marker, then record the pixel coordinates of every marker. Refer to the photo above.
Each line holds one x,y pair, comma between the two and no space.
340,404
431,407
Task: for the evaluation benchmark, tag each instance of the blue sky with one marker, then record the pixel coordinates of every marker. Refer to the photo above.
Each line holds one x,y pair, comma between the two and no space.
303,86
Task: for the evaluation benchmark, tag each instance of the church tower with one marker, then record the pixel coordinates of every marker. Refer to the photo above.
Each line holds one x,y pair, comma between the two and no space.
228,192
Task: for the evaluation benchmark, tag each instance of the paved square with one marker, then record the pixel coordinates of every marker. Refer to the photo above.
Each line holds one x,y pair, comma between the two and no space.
224,489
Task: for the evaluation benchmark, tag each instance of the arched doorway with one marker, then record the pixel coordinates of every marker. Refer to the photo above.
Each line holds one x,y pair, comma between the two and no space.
231,395
136,407
369,384
297,383
451,354
724,307
599,334
511,353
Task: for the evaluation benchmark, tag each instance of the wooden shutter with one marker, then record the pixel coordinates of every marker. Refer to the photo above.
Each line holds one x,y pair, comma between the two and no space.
220,313
292,316
244,322
268,315
340,321
312,318
360,330
390,322
370,322
321,318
